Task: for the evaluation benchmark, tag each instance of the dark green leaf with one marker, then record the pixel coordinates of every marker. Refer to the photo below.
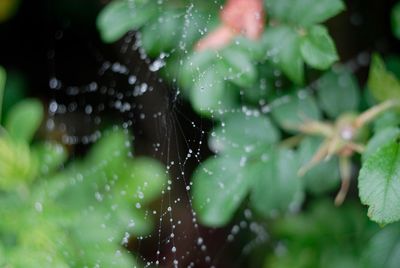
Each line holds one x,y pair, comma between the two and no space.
3,76
121,16
395,16
24,120
283,44
293,110
382,83
276,188
318,49
379,184
246,133
338,92
219,186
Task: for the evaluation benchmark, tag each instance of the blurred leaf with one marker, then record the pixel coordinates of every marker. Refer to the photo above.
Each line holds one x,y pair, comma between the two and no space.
242,132
8,8
208,94
382,84
50,156
379,184
322,177
338,92
383,249
395,16
3,76
163,33
240,69
318,49
304,12
121,16
24,120
276,188
219,186
379,139
292,111
283,45
386,119
14,92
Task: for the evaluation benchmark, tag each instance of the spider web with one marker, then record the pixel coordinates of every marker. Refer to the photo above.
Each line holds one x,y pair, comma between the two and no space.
130,93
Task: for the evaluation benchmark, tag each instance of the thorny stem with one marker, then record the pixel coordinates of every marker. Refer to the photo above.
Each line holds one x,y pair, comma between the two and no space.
373,112
345,174
292,141
320,155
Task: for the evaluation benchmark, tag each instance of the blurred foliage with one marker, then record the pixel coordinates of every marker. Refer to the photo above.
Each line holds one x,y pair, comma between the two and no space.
7,9
75,214
275,150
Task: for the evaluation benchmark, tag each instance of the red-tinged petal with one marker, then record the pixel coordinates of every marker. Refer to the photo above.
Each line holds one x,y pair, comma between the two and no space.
244,16
216,39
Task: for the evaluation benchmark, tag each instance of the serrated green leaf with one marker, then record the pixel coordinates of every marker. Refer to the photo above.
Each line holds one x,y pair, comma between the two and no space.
379,184
322,177
24,120
219,186
304,12
245,133
318,49
395,17
239,68
283,44
291,111
380,139
382,84
121,16
276,188
338,92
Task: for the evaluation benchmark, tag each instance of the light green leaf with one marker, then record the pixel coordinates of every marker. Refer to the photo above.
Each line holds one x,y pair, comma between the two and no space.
382,84
239,68
380,138
283,44
24,120
50,156
338,92
304,12
395,16
379,184
322,177
121,16
246,133
318,49
291,111
276,188
219,187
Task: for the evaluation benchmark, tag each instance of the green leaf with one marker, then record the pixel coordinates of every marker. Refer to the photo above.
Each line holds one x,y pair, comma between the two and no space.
293,110
380,138
3,76
338,92
304,12
283,44
386,119
246,133
121,16
50,156
24,120
379,184
383,249
239,68
219,187
209,96
141,180
276,187
395,17
163,33
322,177
318,49
382,84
